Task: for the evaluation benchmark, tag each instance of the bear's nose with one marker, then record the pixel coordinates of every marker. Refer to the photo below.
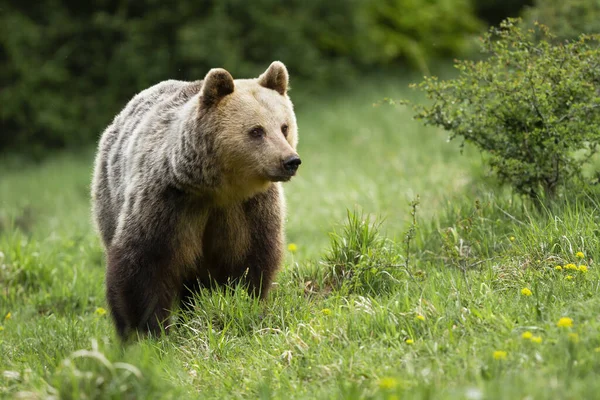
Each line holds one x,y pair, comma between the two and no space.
291,164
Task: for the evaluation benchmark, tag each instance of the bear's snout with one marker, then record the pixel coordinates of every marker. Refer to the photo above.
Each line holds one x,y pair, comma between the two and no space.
291,164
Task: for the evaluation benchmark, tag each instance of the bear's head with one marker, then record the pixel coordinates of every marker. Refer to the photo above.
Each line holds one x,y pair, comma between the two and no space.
254,127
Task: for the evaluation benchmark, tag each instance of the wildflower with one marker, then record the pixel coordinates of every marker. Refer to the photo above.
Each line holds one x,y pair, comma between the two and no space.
100,311
292,247
558,268
579,255
571,267
8,316
526,292
499,355
388,383
573,337
512,238
326,311
583,268
527,335
569,277
409,341
597,350
565,322
536,339
420,317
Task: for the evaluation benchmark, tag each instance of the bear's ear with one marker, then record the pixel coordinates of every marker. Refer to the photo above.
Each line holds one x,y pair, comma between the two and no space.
217,84
275,77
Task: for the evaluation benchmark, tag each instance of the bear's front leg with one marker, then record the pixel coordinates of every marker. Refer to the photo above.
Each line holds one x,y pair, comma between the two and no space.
265,253
139,289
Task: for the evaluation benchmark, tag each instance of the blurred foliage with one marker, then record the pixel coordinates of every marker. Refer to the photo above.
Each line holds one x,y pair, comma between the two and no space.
411,29
495,11
566,19
67,67
532,107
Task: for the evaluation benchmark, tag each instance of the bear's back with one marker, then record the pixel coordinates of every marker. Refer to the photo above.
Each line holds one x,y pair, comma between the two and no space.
129,136
128,120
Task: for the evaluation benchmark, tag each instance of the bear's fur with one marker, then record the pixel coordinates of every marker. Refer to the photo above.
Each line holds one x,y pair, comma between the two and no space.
186,191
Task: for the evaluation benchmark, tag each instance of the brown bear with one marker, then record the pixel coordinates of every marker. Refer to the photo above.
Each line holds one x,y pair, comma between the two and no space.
187,191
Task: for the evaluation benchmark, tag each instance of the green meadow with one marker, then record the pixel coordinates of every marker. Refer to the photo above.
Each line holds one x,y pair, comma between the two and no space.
410,273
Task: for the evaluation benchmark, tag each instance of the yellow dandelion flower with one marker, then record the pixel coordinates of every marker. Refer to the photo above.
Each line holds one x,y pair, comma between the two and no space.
388,383
500,355
292,247
536,339
527,335
326,311
573,337
526,292
409,341
420,317
597,350
571,267
565,322
583,268
558,268
512,238
8,316
100,311
569,277
579,254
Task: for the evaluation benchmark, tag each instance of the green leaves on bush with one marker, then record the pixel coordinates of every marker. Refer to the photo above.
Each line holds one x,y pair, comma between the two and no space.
532,107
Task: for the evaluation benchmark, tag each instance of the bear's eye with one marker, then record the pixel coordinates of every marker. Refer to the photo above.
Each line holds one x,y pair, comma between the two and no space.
257,132
284,130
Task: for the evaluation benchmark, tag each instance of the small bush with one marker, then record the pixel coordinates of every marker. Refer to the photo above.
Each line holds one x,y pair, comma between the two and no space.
360,260
532,107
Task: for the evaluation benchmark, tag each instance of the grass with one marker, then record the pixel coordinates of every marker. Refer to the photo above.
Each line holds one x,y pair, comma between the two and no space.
350,317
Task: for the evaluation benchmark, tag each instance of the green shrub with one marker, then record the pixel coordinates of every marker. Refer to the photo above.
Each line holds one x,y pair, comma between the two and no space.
67,67
533,108
565,19
360,260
